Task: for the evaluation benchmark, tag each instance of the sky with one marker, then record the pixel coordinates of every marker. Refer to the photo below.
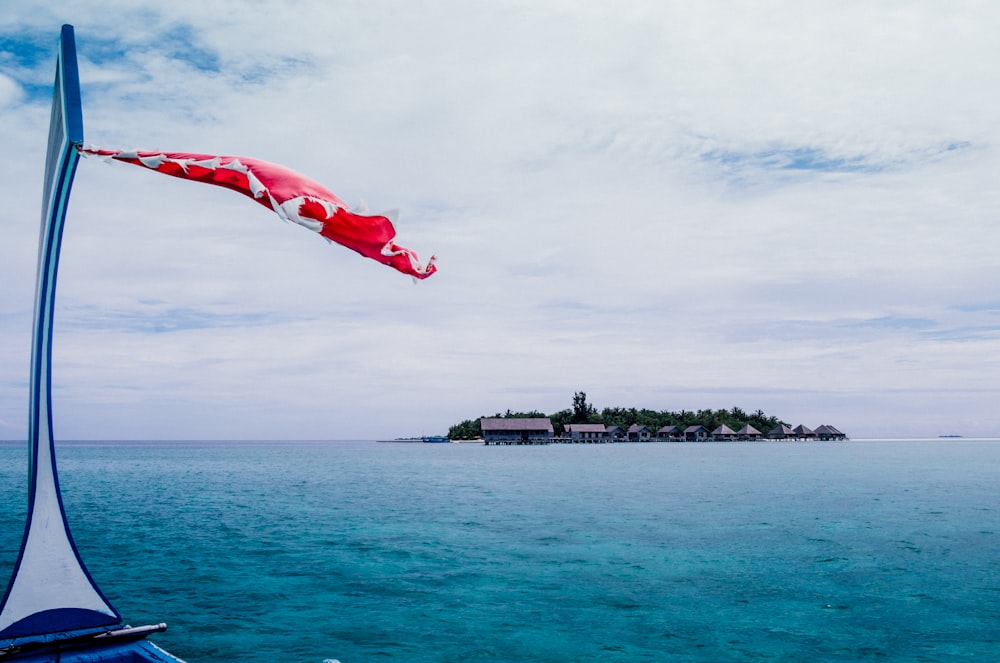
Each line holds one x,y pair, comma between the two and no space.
787,206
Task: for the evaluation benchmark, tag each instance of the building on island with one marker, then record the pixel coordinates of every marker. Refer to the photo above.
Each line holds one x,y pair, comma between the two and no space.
723,434
781,432
696,434
615,432
672,433
828,432
539,430
804,432
825,432
637,433
592,432
514,430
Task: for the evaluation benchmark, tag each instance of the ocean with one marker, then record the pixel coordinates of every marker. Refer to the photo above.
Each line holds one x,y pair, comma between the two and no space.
267,552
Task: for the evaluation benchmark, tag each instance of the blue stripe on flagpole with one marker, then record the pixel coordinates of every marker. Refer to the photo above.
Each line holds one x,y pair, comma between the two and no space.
71,86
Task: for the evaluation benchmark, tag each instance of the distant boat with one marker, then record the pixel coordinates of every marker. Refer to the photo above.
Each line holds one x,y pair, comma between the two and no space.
435,438
52,609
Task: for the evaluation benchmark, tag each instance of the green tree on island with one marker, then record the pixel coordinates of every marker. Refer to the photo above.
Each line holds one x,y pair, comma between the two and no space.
582,411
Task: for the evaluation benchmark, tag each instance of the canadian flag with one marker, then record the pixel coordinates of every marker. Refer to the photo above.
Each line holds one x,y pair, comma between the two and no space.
292,196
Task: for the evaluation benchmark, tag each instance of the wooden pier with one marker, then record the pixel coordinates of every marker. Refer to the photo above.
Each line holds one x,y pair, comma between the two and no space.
512,441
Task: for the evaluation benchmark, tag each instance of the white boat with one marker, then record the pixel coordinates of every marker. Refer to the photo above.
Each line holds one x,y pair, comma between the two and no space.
52,609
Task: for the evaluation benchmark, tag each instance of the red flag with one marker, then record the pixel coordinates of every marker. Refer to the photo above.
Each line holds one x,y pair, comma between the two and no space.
292,196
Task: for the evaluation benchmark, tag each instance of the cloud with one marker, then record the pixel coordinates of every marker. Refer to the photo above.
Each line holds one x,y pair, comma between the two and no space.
664,204
10,92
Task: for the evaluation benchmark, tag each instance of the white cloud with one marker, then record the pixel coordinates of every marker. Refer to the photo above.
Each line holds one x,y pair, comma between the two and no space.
667,205
10,92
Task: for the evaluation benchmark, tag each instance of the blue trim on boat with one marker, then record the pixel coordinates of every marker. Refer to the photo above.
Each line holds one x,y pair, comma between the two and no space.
125,645
56,624
142,651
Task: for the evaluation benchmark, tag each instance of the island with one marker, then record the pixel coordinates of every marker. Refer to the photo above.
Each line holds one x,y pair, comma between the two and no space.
584,424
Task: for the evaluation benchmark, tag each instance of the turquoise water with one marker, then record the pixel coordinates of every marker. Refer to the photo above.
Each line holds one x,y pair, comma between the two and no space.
358,551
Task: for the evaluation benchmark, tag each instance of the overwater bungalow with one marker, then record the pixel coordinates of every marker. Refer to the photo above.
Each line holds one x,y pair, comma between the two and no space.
514,430
781,432
804,432
748,432
637,433
616,432
670,433
723,434
696,434
828,432
587,432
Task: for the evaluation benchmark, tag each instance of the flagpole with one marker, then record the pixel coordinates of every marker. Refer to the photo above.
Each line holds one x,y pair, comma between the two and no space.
51,594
